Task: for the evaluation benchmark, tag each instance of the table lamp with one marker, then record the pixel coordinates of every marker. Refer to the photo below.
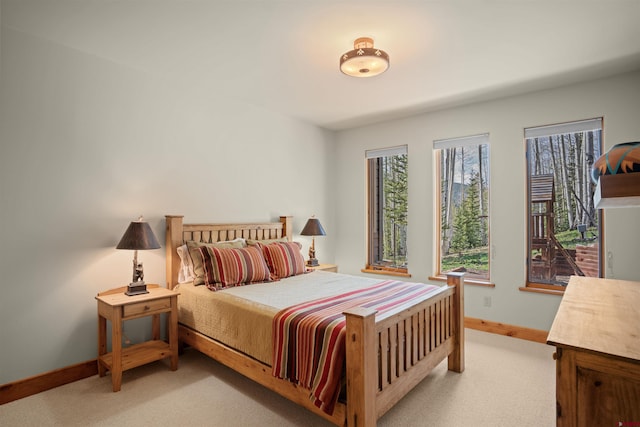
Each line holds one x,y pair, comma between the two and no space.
138,236
313,228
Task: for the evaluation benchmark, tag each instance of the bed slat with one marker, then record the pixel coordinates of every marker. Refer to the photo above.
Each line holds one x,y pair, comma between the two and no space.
393,341
421,335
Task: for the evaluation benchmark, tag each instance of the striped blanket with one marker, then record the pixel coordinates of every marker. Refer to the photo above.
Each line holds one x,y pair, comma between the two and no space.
308,338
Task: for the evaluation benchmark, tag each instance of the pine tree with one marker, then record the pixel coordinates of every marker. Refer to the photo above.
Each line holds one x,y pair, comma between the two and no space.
467,225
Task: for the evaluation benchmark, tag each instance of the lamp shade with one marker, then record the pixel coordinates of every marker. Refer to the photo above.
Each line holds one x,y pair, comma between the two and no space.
313,228
364,60
138,236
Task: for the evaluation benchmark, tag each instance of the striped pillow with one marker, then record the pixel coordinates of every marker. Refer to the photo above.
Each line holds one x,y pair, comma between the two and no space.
228,267
197,258
284,259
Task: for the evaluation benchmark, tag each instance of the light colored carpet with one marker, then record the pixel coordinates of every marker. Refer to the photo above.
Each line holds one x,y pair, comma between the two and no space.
507,382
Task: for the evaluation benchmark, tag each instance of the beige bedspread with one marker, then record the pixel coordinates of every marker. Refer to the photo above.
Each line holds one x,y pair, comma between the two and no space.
242,317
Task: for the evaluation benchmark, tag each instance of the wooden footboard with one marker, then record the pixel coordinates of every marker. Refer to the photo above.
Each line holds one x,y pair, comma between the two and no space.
386,359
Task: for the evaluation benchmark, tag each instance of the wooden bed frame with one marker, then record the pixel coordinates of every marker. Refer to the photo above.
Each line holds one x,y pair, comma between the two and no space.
384,360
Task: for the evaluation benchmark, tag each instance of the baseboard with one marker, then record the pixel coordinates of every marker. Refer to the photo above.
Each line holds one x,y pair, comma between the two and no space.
38,383
528,334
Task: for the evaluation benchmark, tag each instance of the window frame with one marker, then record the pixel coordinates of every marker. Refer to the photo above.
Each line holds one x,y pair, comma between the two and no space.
550,131
438,146
372,232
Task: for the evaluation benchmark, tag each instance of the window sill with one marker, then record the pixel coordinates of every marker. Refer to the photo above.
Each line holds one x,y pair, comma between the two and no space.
542,290
467,281
385,272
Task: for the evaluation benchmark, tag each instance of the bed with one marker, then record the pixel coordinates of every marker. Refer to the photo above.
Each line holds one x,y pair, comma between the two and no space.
385,355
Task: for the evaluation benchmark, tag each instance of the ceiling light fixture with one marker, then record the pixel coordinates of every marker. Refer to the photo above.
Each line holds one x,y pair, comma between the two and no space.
364,60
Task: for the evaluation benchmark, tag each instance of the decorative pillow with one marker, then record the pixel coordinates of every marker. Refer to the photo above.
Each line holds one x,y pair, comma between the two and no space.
284,259
228,267
253,242
196,256
185,274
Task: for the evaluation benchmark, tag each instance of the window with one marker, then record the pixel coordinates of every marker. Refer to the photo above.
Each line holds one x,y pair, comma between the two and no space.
564,234
387,210
463,206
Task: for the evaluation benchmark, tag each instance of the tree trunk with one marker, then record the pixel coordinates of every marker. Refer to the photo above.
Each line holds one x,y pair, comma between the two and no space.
565,181
462,190
481,194
554,161
536,161
590,158
577,179
449,171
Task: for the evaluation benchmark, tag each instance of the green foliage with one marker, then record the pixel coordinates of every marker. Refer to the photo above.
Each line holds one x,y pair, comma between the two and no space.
569,239
474,261
395,187
467,225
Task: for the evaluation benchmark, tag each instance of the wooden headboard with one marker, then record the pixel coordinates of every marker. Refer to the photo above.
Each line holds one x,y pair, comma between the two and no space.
178,233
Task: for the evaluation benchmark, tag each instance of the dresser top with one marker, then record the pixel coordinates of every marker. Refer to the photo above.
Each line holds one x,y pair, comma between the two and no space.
601,315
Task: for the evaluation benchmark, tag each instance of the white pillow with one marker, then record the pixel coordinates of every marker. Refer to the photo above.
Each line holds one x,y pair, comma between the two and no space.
239,239
185,274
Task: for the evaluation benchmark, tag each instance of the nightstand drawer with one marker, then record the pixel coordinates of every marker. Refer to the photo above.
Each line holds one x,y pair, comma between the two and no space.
146,307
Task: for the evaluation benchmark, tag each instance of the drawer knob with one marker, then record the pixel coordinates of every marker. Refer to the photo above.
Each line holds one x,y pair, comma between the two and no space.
146,307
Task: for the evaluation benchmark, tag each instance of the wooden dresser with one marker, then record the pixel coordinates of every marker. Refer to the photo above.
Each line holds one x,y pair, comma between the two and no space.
596,333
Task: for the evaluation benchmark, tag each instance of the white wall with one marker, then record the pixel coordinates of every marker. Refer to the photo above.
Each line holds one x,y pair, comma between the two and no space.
616,99
87,146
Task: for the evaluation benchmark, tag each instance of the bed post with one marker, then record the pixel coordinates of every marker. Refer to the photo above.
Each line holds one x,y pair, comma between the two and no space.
287,227
173,239
456,358
362,368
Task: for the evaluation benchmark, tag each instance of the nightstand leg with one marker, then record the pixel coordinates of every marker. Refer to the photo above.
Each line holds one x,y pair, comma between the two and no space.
102,343
155,327
116,349
173,333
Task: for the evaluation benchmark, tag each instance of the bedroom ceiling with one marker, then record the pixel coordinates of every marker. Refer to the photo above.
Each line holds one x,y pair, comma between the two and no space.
284,55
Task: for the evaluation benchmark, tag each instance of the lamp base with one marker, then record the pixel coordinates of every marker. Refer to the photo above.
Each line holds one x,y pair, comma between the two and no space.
313,262
136,288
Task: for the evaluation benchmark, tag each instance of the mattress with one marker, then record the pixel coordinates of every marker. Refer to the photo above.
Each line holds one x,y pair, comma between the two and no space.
242,317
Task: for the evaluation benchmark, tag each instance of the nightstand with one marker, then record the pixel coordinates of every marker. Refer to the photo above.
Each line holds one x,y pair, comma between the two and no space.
117,307
325,267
